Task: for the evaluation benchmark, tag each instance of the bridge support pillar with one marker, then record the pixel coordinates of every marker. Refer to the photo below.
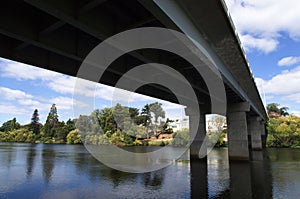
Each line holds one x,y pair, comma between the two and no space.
237,131
200,128
199,138
199,182
255,127
263,134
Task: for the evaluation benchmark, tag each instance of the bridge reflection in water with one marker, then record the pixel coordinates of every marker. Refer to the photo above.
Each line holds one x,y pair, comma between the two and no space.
217,177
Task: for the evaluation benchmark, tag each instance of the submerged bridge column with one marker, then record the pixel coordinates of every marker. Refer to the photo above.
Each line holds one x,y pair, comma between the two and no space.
237,131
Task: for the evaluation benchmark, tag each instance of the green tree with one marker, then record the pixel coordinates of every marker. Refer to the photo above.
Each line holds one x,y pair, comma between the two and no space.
145,118
70,125
35,125
121,116
61,132
10,125
284,132
158,112
73,137
275,108
52,119
165,126
107,122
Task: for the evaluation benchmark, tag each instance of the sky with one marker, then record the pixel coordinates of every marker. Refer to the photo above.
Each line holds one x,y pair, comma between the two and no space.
270,36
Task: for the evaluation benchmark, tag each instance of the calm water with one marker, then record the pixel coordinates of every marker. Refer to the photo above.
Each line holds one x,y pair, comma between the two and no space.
69,171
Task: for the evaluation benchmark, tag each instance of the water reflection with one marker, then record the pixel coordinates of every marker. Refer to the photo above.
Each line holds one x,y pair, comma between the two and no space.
261,175
71,172
9,154
48,162
30,159
153,179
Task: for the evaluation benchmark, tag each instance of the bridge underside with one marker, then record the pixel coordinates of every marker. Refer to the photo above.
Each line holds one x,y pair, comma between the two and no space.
58,35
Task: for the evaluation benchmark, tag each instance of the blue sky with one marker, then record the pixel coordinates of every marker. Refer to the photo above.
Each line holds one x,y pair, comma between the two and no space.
270,36
24,88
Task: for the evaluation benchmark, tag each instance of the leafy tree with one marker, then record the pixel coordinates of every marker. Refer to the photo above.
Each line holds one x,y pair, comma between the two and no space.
165,126
134,114
283,111
61,132
145,118
275,108
218,121
35,125
70,125
121,115
107,122
284,132
158,112
10,125
73,137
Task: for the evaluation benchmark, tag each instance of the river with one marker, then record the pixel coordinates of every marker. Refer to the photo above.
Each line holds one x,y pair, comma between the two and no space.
69,171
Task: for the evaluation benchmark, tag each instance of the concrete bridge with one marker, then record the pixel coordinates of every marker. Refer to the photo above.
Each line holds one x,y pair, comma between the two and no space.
58,35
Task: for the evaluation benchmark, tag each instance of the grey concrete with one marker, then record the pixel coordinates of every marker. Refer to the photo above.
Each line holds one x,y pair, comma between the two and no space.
238,107
237,133
66,31
263,134
201,132
255,130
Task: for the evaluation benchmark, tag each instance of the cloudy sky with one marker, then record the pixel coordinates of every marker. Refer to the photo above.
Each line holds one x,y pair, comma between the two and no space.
270,36
24,88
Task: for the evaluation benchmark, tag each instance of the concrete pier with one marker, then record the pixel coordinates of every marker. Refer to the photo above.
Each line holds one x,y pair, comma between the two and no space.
255,130
237,131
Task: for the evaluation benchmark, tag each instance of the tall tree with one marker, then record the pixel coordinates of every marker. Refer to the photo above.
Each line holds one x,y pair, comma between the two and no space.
35,125
158,112
218,121
52,120
145,118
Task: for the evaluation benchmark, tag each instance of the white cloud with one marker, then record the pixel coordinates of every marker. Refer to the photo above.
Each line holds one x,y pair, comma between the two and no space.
21,71
294,97
266,20
29,102
11,109
66,103
171,106
289,61
11,94
287,82
284,86
64,84
266,45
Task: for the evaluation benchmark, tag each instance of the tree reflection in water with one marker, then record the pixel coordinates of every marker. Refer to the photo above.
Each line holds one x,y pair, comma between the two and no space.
30,156
48,163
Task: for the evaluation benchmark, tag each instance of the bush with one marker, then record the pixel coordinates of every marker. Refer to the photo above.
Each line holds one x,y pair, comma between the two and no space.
181,138
284,132
19,135
73,137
